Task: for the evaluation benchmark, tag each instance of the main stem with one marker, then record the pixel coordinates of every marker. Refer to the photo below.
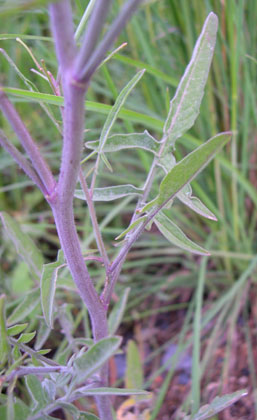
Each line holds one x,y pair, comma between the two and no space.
61,202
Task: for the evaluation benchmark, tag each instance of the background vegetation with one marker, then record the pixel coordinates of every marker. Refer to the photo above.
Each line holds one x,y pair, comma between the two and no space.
165,315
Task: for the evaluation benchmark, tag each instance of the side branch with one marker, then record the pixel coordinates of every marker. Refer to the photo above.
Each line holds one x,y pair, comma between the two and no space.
93,31
22,162
37,160
84,73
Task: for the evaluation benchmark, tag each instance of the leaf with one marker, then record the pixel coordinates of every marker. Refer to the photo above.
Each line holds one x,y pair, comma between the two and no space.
36,391
134,371
175,235
185,196
110,193
95,107
48,287
26,337
217,405
24,245
110,120
187,169
4,344
167,162
127,141
130,227
117,312
27,305
95,357
111,391
75,413
16,329
184,107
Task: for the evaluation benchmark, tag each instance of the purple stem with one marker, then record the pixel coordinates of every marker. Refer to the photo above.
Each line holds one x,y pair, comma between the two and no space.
28,143
91,36
22,162
86,72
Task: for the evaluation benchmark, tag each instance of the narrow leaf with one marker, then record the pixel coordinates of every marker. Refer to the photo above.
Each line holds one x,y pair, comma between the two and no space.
218,404
16,329
117,312
184,107
185,196
111,193
110,120
130,227
175,235
134,371
95,357
189,167
25,247
28,304
48,287
111,391
26,337
127,141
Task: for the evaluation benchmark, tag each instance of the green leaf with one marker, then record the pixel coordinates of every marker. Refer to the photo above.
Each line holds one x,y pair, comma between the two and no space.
184,107
127,141
110,193
130,227
125,114
36,391
175,235
25,247
27,305
95,357
48,287
26,337
16,329
187,169
21,411
110,120
4,344
134,371
111,391
70,408
217,405
117,312
185,196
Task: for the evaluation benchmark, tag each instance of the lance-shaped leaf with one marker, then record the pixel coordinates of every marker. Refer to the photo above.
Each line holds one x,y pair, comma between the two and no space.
110,120
185,196
111,193
167,162
131,226
217,405
175,235
95,357
112,391
127,141
187,169
25,247
48,287
184,107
